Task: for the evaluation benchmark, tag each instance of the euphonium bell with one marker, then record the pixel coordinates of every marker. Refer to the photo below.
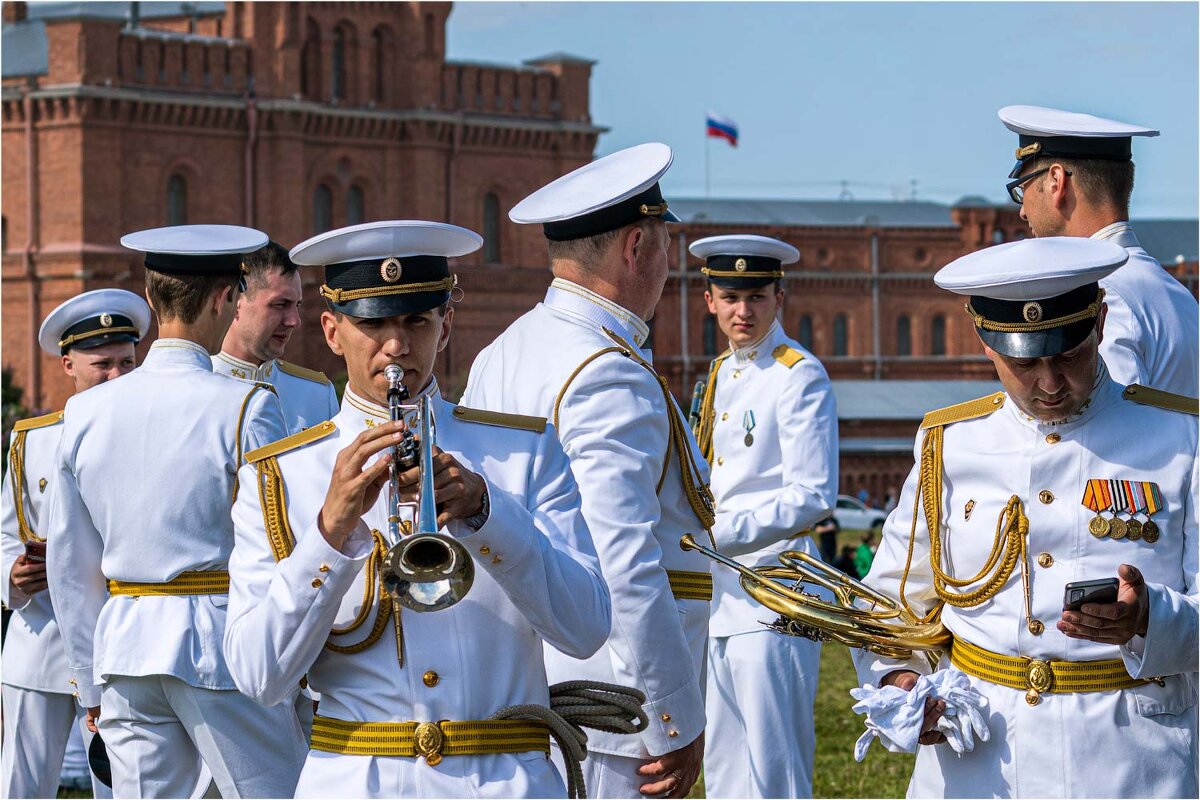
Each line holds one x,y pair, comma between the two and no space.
885,627
425,571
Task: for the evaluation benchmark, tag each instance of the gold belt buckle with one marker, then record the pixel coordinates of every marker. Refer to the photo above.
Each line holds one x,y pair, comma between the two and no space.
1039,678
429,740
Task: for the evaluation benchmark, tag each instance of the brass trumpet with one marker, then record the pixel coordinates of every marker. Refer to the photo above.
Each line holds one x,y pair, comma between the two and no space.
885,628
425,571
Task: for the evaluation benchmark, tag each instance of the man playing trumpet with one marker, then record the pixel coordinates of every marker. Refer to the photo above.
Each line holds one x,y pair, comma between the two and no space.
409,699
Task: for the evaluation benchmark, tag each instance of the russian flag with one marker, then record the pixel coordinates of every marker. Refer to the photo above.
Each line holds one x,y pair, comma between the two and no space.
722,128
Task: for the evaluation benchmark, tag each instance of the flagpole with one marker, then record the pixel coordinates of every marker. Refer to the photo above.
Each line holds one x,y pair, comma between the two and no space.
707,165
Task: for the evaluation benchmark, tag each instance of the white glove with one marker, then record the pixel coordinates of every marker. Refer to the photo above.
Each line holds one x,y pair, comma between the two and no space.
895,715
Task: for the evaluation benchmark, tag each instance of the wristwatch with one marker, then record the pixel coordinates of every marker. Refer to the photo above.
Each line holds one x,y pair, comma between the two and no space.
475,521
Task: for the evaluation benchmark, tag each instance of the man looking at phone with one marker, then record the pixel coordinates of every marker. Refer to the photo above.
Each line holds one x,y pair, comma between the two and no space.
1065,477
94,334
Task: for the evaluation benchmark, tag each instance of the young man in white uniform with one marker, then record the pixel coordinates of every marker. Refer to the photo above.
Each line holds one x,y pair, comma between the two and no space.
139,532
768,427
94,334
577,359
268,315
409,701
1074,177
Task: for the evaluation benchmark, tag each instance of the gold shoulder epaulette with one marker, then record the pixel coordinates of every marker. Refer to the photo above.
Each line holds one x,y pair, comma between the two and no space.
38,422
302,372
306,436
519,421
788,356
1160,399
971,409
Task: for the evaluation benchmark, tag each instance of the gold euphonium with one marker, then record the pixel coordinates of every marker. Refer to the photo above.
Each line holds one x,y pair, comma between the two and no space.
425,571
880,624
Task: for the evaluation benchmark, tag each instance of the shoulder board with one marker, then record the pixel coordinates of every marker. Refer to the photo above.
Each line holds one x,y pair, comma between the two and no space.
1160,399
302,372
519,421
38,422
788,356
971,409
306,436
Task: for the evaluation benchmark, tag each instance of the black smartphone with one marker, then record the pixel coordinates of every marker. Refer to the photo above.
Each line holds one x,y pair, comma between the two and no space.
35,551
1103,590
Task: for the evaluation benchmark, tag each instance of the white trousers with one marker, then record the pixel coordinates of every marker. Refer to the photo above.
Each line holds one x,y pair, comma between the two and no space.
606,775
37,726
160,733
759,740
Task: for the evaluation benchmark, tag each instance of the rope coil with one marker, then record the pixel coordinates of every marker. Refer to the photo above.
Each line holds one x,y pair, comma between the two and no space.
575,705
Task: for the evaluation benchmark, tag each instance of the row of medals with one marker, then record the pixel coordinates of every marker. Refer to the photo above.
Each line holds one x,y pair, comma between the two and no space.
1116,528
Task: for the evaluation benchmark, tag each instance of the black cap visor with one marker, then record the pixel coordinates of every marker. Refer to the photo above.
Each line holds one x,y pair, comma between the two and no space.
1038,344
98,761
395,305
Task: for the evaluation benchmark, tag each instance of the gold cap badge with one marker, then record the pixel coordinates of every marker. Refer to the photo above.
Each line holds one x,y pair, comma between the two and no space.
390,270
106,320
1032,312
740,265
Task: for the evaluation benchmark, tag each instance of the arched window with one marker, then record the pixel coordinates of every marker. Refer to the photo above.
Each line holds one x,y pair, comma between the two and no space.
709,335
840,326
903,335
322,209
937,336
804,333
491,228
382,48
310,61
176,200
338,65
355,206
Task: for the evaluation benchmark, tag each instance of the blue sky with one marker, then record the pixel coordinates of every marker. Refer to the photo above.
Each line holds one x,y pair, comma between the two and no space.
876,94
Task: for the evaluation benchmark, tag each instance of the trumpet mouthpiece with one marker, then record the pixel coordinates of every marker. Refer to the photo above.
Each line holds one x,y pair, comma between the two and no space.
393,373
687,542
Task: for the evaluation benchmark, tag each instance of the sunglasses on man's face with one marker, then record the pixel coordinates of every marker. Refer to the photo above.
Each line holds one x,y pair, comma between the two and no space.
1016,188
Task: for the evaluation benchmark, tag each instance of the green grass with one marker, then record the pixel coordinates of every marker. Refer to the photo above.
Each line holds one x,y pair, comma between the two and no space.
835,772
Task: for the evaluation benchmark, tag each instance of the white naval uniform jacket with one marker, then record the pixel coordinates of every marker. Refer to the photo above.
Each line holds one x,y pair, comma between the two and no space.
784,481
33,649
1152,331
1138,742
144,479
614,427
536,578
306,395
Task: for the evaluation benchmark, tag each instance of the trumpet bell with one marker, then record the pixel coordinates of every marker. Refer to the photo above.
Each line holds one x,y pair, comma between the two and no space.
427,572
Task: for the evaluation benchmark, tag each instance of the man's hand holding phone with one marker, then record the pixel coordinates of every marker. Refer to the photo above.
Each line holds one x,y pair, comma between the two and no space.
1109,610
29,570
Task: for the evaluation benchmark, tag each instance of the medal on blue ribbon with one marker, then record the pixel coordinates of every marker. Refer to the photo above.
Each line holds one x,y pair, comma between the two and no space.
748,424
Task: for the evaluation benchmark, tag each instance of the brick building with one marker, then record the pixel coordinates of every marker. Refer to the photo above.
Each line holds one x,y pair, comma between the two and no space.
300,117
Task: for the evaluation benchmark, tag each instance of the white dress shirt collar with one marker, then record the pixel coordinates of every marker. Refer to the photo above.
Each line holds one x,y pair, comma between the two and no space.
355,404
582,302
178,351
755,350
232,365
1119,233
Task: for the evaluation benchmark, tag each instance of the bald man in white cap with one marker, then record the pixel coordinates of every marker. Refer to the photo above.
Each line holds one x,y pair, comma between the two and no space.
94,334
1055,531
1074,177
577,359
139,533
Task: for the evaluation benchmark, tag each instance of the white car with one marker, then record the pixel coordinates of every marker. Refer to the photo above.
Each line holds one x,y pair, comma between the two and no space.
852,514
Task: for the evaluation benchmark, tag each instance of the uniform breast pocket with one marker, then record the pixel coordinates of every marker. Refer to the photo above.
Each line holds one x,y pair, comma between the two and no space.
1174,697
219,600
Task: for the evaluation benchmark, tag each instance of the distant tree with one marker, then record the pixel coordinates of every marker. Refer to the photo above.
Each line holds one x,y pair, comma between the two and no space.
13,408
